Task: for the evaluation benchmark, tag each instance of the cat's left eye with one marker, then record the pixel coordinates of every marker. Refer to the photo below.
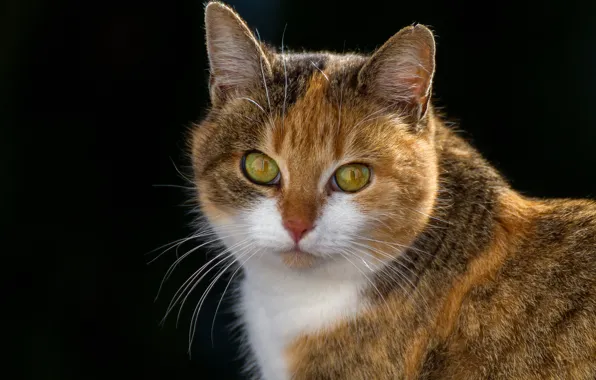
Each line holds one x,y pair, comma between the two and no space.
351,178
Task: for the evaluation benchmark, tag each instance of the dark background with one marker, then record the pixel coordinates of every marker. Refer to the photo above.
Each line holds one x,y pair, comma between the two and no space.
95,101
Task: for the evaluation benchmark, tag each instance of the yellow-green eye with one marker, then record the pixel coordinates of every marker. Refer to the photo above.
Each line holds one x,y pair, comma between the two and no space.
260,168
352,177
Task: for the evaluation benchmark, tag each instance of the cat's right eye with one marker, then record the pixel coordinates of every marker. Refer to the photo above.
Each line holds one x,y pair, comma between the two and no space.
260,169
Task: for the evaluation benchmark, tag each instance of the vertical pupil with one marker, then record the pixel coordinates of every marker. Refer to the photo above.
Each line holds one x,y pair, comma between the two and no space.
352,178
262,165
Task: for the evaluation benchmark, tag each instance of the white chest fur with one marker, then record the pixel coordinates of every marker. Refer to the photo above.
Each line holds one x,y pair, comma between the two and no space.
279,305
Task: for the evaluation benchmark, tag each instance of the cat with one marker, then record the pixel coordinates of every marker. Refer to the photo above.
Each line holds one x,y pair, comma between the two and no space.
374,242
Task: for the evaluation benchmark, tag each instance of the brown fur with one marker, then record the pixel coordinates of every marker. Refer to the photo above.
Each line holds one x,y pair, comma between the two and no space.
487,323
493,285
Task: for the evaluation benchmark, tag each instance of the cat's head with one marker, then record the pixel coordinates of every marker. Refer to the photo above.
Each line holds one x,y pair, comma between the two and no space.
305,159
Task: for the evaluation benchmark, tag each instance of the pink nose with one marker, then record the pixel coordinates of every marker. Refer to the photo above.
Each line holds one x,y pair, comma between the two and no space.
297,228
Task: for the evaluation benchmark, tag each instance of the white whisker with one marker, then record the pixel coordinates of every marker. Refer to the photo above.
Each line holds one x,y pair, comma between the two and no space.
370,116
283,57
190,284
253,102
182,290
175,264
365,275
341,99
392,259
321,71
226,288
427,215
180,173
169,244
197,309
175,186
401,276
263,73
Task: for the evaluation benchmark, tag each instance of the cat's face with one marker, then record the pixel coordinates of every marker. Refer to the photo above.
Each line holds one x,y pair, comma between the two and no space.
306,159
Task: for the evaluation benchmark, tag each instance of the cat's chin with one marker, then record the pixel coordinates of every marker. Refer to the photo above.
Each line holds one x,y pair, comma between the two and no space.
299,259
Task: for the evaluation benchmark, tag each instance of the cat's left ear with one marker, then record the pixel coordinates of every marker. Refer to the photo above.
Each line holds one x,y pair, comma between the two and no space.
400,72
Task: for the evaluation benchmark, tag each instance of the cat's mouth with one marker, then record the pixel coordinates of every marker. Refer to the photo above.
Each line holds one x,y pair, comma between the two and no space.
298,259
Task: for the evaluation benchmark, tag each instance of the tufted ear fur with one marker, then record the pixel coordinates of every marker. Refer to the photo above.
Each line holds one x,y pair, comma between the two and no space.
401,71
237,60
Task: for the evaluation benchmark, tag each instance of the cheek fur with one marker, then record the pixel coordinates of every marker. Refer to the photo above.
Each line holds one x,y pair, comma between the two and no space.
340,224
336,229
264,225
396,214
374,222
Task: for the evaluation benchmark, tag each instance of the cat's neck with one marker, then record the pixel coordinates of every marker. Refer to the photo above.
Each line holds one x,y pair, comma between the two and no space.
462,221
467,198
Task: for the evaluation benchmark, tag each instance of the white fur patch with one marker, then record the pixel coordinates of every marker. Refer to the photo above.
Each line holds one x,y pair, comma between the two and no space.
279,303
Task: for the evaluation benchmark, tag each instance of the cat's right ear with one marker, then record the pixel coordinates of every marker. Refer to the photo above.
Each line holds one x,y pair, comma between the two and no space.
238,62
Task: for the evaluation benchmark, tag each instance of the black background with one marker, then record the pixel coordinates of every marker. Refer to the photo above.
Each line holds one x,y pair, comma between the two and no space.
97,96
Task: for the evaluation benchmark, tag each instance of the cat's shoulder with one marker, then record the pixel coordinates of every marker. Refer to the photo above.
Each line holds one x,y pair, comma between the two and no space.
544,236
556,244
568,222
